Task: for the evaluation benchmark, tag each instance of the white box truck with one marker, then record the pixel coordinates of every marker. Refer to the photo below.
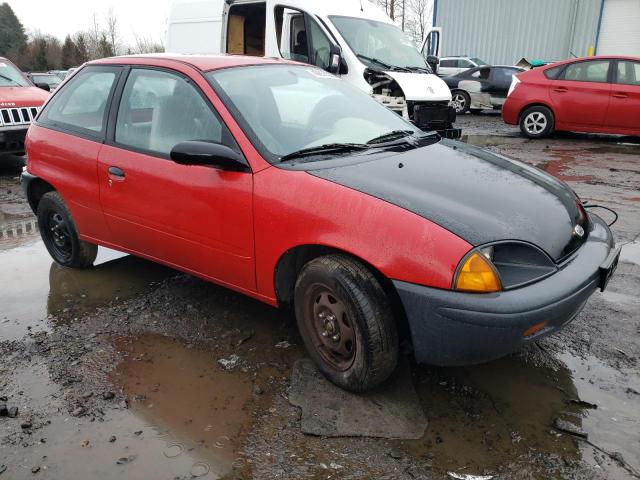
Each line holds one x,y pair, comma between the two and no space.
353,39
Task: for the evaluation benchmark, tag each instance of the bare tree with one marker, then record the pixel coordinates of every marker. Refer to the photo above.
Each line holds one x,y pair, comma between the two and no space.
112,30
146,45
419,15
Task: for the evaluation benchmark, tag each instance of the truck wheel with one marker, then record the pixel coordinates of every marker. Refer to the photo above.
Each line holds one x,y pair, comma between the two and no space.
346,322
537,122
461,101
60,234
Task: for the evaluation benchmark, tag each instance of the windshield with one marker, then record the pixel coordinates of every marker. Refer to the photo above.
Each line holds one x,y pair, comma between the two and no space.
48,79
10,76
371,40
479,62
288,108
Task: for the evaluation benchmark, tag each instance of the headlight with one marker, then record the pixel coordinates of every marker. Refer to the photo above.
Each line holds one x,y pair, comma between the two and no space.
477,274
502,266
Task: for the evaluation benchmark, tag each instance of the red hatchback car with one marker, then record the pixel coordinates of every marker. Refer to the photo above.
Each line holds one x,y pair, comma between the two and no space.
283,182
594,94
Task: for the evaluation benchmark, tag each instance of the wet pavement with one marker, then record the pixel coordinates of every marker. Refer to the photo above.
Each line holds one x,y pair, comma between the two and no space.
132,370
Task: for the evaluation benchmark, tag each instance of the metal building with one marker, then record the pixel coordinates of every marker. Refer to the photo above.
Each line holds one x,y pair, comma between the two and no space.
504,31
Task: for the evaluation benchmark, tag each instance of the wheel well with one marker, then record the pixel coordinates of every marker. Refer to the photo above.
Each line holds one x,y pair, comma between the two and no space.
525,108
36,190
292,261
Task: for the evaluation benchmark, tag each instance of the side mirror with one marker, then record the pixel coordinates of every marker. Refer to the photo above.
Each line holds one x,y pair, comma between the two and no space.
433,62
198,152
43,86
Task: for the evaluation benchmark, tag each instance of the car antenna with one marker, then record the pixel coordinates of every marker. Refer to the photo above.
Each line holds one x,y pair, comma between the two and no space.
361,8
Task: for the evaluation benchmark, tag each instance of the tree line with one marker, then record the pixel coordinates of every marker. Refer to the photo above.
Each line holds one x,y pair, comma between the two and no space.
38,51
413,16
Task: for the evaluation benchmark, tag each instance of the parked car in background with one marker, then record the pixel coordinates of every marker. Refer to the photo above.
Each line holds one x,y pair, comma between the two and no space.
280,181
20,101
593,94
61,74
481,88
46,81
455,65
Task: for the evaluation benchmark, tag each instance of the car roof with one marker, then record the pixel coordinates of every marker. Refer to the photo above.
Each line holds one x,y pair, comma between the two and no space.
200,62
596,57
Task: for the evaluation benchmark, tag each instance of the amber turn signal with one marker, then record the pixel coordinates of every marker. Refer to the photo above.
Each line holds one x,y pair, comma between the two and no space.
478,275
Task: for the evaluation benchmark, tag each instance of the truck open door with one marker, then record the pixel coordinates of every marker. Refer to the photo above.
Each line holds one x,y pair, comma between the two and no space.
431,47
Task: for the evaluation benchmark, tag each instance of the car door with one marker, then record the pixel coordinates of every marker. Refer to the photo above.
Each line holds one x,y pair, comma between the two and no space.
581,95
624,107
499,83
76,119
448,67
198,218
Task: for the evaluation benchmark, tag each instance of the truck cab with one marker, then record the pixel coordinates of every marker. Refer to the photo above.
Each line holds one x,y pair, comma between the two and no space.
354,40
20,101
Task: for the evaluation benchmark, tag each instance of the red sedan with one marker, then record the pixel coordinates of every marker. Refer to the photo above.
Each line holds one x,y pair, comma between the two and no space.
283,182
594,95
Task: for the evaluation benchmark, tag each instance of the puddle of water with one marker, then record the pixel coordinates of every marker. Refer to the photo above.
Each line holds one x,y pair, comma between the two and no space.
187,396
492,140
32,286
488,416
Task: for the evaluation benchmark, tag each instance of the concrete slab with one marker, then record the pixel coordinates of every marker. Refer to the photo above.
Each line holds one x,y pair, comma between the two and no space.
393,411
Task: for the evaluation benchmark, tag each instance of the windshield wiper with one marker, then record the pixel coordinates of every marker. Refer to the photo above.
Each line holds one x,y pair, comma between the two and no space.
4,77
390,136
419,69
384,65
327,148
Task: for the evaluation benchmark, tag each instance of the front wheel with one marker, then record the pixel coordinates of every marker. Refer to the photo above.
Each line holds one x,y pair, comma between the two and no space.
346,322
461,101
60,235
537,122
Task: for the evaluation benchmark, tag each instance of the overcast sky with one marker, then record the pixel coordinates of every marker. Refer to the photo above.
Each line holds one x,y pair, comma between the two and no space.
146,18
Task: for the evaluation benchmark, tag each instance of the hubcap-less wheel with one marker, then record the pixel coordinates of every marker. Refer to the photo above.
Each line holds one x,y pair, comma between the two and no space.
459,102
58,232
535,123
327,319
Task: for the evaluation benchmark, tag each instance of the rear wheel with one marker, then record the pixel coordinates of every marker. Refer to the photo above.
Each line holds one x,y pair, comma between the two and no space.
60,235
461,101
346,322
537,122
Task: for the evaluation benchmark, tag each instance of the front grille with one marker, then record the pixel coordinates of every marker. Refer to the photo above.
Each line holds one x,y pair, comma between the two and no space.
10,117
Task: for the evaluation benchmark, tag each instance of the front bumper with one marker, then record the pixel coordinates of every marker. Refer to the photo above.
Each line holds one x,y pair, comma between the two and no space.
451,328
12,139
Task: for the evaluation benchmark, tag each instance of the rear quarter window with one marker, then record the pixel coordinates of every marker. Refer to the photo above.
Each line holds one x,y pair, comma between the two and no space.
81,105
554,72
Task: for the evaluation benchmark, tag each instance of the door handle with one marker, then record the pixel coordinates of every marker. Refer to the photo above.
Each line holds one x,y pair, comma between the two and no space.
620,95
116,172
561,89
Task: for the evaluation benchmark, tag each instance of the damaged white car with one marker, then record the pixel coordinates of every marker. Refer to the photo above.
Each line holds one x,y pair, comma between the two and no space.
354,40
481,88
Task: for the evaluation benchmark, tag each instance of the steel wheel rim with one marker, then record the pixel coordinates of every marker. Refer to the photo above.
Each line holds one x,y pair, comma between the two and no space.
459,102
331,329
535,123
58,236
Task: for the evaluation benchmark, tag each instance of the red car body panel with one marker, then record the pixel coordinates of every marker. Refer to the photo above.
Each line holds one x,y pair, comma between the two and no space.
578,106
22,96
229,227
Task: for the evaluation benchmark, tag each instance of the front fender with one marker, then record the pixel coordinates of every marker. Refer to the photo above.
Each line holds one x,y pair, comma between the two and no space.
294,208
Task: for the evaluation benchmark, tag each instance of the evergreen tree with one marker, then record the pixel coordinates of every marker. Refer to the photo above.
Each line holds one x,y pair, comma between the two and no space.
81,53
68,58
105,49
12,36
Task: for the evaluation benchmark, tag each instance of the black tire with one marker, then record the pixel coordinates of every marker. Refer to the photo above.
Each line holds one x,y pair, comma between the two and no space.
537,122
60,235
366,319
461,101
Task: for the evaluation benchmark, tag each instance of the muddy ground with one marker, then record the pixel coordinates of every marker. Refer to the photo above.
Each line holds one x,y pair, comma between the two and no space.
116,371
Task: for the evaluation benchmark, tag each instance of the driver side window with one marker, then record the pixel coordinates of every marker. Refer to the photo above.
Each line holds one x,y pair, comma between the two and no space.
300,38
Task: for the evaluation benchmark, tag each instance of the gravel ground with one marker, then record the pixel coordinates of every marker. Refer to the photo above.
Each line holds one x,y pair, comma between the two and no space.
131,370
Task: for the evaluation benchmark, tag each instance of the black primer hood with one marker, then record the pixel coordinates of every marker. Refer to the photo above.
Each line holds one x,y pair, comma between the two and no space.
479,196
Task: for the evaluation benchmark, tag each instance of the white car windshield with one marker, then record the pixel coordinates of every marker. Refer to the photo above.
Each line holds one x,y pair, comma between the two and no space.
288,108
378,44
10,76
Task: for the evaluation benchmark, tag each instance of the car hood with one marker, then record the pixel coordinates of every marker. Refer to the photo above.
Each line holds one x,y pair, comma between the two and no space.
479,196
22,97
421,86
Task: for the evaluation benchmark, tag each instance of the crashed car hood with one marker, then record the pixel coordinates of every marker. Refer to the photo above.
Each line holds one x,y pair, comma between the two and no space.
421,86
479,196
